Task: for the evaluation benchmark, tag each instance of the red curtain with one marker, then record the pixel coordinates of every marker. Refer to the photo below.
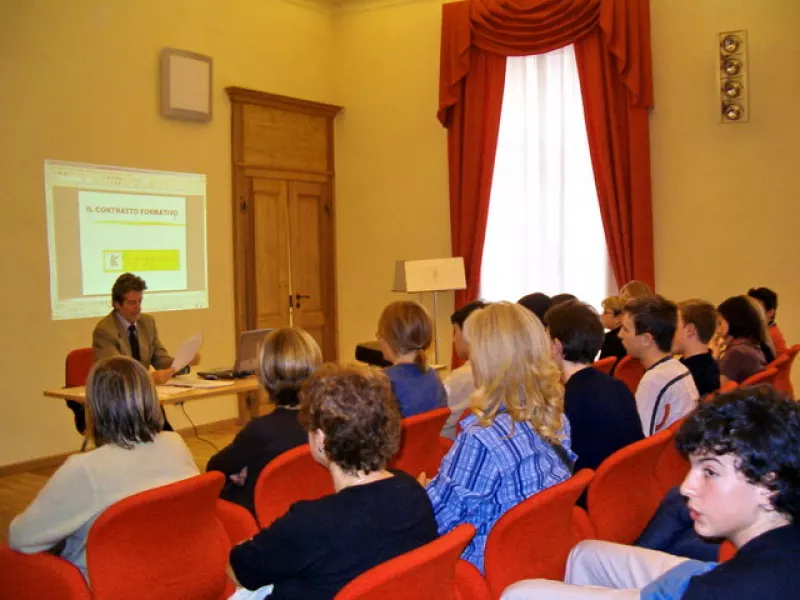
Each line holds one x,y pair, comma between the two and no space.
472,117
612,43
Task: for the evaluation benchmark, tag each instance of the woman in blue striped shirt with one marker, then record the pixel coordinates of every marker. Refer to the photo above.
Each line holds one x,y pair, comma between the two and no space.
516,442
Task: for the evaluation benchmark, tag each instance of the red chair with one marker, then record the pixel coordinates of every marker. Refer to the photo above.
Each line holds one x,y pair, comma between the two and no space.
239,524
433,571
768,376
165,543
671,467
784,381
630,371
605,364
534,539
625,491
76,370
726,551
292,476
420,449
41,575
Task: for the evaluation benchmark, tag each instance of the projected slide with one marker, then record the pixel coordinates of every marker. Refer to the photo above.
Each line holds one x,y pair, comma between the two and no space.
122,233
105,221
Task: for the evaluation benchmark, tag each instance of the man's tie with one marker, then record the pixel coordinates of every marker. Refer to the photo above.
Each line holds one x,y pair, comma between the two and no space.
134,341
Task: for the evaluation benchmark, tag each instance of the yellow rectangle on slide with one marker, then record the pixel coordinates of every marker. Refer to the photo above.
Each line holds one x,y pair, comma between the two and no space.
141,260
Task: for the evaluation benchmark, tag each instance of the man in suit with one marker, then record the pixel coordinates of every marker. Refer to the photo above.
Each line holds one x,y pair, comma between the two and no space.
125,330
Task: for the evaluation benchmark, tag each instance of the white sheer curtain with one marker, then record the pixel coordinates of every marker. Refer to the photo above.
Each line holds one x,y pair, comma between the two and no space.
544,232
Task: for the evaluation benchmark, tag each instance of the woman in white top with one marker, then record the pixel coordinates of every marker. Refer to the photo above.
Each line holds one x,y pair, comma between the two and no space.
132,454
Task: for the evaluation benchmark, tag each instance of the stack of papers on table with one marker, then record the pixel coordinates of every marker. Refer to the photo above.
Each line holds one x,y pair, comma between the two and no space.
193,382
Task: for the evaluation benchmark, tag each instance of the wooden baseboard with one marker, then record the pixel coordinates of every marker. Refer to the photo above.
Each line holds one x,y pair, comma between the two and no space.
56,460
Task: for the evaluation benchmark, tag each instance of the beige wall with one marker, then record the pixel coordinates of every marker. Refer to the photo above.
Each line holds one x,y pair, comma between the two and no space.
391,162
80,83
725,197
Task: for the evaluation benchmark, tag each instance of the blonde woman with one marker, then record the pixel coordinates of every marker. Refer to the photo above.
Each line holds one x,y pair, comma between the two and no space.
405,332
286,359
133,454
635,289
516,442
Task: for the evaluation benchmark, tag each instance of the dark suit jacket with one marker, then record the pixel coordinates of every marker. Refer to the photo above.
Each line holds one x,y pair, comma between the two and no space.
110,339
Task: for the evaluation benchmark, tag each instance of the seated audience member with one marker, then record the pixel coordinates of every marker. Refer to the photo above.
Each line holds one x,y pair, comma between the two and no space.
405,333
612,320
766,345
601,410
697,321
559,298
460,384
286,358
517,441
743,486
635,289
769,301
132,455
537,303
666,392
320,545
739,335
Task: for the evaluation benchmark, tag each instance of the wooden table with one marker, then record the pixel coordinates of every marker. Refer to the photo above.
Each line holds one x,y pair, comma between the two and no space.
237,386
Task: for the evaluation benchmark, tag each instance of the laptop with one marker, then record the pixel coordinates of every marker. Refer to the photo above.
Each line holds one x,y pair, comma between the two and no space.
246,357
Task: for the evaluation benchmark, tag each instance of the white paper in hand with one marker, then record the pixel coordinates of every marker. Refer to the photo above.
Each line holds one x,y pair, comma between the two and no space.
187,351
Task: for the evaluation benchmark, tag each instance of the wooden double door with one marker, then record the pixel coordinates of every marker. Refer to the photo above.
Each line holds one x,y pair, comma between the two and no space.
293,284
284,240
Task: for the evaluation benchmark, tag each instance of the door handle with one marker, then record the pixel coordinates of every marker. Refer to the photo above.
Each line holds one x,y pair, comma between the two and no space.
298,297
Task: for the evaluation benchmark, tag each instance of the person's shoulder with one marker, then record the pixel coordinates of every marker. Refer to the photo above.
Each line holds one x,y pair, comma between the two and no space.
596,383
666,370
146,320
462,372
107,323
170,440
276,422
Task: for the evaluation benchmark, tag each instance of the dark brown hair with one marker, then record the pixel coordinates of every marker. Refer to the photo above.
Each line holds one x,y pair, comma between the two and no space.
657,316
702,315
127,282
578,328
407,327
354,407
121,402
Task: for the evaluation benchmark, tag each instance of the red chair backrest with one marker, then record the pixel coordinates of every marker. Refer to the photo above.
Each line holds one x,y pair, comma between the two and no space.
726,551
534,539
426,572
77,367
289,478
38,576
625,491
162,543
672,467
605,364
630,371
768,376
420,450
784,381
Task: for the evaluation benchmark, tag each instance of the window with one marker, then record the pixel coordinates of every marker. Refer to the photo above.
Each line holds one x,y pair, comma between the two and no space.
544,232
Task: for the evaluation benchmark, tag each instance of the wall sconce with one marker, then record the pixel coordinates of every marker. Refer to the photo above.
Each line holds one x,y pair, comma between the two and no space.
733,84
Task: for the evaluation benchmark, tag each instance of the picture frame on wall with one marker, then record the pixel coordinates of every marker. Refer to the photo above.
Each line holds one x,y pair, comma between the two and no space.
186,85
